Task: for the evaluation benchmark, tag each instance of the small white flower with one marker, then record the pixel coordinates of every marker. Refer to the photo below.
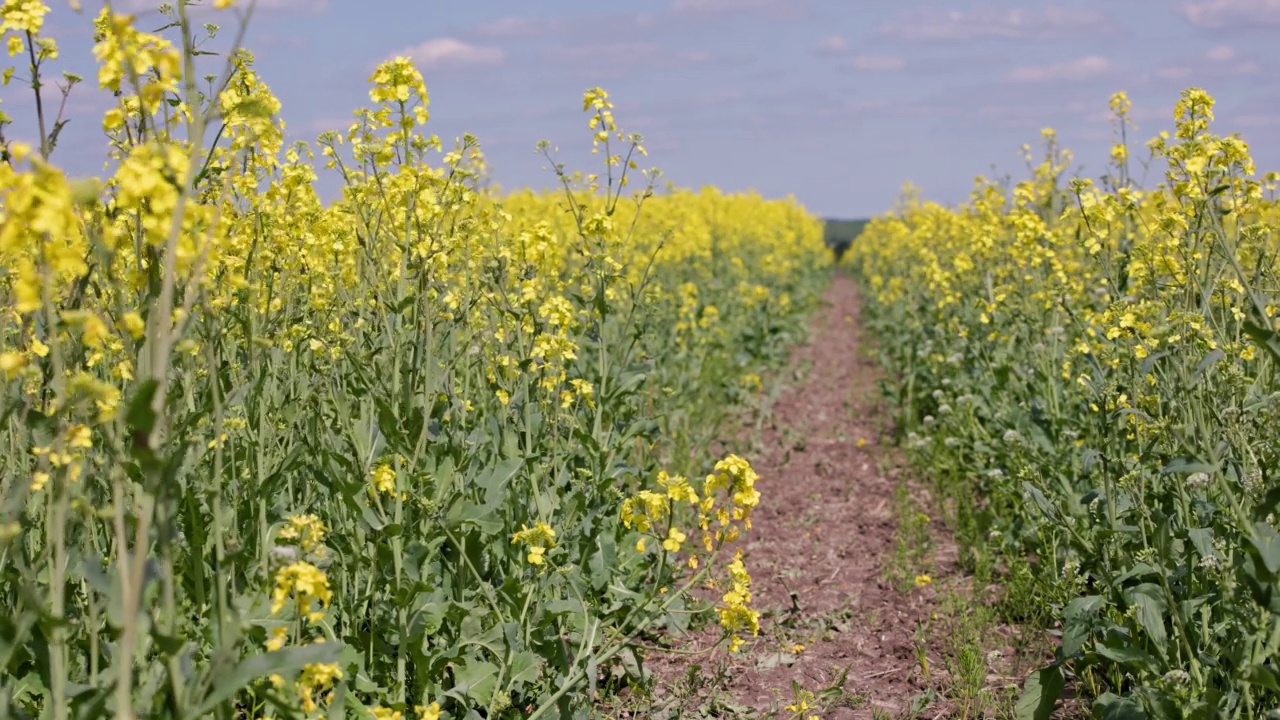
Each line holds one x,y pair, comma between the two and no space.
284,553
1252,482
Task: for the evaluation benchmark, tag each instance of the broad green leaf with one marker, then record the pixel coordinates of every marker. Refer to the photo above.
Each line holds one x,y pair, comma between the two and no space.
1124,654
1040,694
1266,542
1207,363
1263,676
496,477
1158,704
1040,500
523,668
1264,338
284,662
1148,598
1077,619
474,680
1202,541
1113,707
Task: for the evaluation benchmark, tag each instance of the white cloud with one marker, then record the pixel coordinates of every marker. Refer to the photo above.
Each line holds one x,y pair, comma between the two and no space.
1220,61
722,5
1176,72
833,45
774,8
1083,68
311,7
452,53
1054,21
517,26
1222,53
611,56
1257,122
1225,14
878,63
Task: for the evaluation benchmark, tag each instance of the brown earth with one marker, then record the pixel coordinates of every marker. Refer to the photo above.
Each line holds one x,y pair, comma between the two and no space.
822,540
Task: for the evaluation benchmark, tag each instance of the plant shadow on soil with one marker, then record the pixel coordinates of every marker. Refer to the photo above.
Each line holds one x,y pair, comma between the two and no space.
865,610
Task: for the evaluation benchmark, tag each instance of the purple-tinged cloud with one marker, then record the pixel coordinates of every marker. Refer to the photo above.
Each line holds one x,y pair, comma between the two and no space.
832,45
1231,14
878,63
519,26
446,53
615,59
1219,62
989,23
1085,68
310,7
770,8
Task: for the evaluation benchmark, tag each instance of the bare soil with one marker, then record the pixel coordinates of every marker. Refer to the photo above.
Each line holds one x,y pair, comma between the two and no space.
821,545
821,542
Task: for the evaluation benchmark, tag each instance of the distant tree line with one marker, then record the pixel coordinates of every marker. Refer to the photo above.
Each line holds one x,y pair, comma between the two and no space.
840,234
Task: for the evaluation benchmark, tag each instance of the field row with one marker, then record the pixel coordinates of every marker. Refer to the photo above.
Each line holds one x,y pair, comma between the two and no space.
420,452
1088,373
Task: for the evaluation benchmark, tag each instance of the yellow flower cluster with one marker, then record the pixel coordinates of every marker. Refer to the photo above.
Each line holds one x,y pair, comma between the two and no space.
537,540
1090,354
201,298
736,476
306,531
733,479
736,615
307,585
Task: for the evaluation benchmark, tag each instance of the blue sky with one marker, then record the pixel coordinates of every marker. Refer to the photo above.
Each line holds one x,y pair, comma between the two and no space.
838,102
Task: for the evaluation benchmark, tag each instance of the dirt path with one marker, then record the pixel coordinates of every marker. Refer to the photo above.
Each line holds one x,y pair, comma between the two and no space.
819,546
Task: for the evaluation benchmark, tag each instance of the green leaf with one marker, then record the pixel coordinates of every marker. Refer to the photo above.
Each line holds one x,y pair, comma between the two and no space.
1263,676
1040,500
1159,704
474,680
1040,694
1207,363
1264,338
1077,620
1124,654
141,418
1187,466
1148,598
1110,706
284,662
498,476
1266,542
523,668
484,518
1202,540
